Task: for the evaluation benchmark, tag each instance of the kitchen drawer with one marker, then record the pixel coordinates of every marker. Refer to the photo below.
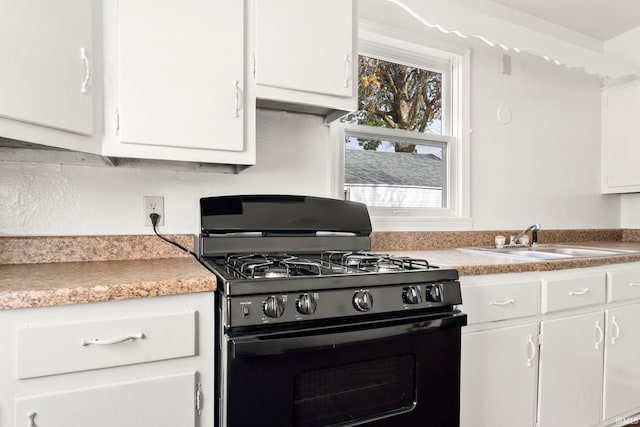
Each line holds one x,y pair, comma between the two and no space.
70,347
572,292
623,285
487,303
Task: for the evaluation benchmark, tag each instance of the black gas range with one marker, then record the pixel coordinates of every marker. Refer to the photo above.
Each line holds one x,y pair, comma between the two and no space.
300,298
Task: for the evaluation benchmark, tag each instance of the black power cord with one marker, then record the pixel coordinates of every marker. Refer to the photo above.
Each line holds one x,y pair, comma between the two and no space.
154,222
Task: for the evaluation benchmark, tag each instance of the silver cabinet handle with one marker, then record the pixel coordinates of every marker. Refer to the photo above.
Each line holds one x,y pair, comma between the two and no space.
87,70
581,292
617,333
634,284
503,303
600,335
30,419
111,341
532,350
347,64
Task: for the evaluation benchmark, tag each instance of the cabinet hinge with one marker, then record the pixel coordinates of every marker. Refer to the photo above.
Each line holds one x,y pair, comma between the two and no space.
539,339
117,122
199,399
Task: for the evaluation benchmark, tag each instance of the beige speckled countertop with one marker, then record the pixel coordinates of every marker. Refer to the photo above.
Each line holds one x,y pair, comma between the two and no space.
474,263
441,248
46,271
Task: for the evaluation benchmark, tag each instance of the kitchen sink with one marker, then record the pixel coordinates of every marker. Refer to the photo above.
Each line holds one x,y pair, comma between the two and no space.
551,251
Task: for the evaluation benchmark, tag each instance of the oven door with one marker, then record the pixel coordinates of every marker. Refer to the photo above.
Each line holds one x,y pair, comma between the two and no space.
387,373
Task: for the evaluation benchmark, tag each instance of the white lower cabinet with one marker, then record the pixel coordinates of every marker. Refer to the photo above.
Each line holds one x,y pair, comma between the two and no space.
166,401
622,366
499,374
129,363
571,357
571,362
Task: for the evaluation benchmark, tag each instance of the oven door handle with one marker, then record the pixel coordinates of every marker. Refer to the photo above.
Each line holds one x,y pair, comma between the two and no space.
243,347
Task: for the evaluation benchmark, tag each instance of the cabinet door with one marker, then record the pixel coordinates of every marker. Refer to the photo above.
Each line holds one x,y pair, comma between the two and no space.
167,401
498,377
622,369
305,45
621,138
571,360
181,75
46,50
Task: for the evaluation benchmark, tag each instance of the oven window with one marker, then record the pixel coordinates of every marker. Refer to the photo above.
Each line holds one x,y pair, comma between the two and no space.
355,392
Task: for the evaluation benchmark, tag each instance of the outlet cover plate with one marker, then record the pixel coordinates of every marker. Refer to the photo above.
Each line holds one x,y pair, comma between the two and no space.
153,204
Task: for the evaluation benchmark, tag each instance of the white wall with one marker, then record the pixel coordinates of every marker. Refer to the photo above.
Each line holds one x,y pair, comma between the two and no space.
47,199
542,167
625,46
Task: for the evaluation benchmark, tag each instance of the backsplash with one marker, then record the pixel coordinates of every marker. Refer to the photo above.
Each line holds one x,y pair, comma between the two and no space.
35,250
412,241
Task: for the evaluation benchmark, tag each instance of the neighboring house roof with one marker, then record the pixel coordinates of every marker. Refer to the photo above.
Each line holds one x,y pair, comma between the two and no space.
381,167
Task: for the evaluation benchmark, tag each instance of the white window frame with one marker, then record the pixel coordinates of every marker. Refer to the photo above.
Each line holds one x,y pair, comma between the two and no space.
454,64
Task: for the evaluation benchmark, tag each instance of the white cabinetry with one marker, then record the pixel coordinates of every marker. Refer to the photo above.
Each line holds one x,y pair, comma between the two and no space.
166,401
570,386
178,87
622,370
48,72
127,363
499,372
497,360
534,350
621,138
305,54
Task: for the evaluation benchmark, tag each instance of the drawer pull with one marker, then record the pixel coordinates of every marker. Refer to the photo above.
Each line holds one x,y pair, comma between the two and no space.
582,292
634,284
600,335
617,333
503,303
98,341
30,419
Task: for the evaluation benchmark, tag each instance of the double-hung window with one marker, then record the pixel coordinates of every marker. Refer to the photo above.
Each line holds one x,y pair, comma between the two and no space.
404,152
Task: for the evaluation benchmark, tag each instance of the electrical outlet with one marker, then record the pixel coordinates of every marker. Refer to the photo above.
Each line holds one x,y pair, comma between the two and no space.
153,204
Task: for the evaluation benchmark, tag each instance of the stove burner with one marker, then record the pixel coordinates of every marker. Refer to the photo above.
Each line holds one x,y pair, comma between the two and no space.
268,266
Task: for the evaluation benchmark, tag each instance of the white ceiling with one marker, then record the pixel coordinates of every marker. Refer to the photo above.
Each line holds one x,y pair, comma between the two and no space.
600,19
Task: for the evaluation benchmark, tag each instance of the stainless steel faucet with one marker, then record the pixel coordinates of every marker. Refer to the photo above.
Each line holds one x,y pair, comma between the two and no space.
513,240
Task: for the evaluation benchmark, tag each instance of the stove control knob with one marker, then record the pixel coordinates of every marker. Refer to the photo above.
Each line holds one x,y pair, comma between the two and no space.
273,306
362,301
411,295
306,304
434,294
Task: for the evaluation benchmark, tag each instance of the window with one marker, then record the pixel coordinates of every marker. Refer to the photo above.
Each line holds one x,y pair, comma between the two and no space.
403,152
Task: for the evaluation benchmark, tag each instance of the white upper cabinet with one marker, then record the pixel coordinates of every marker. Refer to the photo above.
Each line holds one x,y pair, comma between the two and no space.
48,75
47,55
305,53
621,138
179,91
